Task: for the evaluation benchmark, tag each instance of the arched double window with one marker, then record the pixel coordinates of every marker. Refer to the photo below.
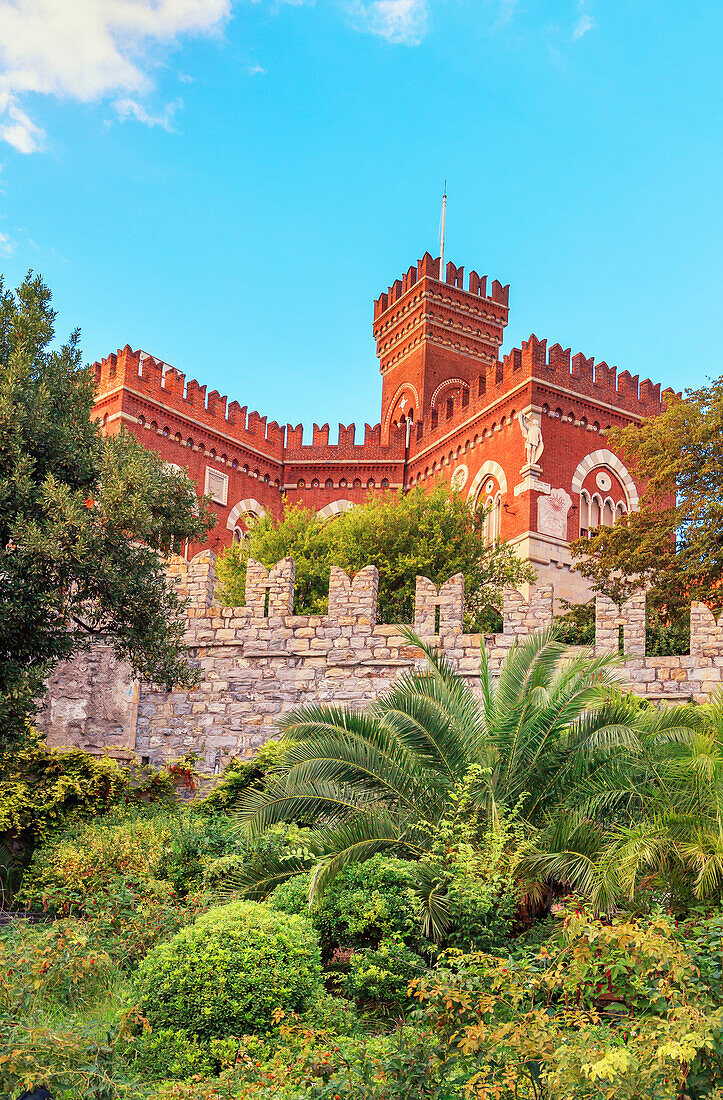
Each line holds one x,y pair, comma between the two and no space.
493,518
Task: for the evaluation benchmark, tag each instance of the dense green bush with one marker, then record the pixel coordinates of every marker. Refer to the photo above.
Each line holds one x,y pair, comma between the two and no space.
229,974
41,789
379,977
365,904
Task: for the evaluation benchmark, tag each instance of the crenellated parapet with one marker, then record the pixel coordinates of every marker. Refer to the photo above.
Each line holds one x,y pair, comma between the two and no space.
353,601
161,389
270,592
347,449
259,661
611,621
428,267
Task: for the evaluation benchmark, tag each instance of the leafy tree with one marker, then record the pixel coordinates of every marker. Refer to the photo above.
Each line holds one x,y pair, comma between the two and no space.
396,777
84,521
674,544
403,535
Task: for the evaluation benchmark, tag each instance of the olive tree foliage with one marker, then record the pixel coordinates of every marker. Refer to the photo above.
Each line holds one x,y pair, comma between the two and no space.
85,521
404,535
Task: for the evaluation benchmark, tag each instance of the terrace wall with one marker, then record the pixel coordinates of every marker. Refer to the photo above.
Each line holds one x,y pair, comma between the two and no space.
259,661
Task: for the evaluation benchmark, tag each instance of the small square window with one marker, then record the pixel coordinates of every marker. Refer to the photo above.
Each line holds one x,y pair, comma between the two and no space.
216,485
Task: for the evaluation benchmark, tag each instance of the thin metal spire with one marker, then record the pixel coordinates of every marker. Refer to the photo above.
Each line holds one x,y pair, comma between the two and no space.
441,247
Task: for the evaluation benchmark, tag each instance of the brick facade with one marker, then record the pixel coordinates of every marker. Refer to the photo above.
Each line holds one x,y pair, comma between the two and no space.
453,411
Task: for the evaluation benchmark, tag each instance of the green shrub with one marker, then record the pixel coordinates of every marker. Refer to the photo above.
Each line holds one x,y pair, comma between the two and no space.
230,972
40,788
113,873
364,904
239,776
380,976
100,860
57,964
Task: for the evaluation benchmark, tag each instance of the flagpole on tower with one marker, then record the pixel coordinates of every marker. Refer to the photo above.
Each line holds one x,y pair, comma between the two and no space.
441,249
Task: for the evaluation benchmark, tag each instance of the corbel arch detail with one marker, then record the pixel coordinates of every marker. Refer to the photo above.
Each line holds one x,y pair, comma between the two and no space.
604,457
490,467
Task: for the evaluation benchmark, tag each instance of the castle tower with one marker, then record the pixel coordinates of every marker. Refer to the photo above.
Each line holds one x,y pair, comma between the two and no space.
434,339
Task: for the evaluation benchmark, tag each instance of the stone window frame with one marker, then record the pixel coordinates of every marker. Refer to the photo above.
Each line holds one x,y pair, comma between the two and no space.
217,497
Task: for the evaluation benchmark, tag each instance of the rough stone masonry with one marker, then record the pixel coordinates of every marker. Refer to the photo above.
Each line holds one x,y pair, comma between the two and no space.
258,661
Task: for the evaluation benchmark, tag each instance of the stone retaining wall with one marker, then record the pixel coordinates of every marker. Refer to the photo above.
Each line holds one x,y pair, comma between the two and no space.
258,661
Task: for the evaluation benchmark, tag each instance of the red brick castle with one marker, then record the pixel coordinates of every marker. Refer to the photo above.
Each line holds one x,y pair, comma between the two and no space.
524,434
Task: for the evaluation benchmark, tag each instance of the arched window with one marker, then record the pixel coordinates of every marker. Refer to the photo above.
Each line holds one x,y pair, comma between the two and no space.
584,514
607,513
493,518
620,509
595,512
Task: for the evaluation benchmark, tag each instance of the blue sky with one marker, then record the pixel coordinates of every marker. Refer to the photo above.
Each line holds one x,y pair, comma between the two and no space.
229,185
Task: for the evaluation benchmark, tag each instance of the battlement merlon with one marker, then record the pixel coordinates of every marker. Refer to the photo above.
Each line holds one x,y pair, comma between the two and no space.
428,267
162,385
583,376
320,450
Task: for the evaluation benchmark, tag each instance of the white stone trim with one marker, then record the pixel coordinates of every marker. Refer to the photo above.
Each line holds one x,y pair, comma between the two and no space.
334,508
400,390
487,468
603,457
448,382
245,507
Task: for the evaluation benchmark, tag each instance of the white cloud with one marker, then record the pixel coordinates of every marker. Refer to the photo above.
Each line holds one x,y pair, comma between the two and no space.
403,21
87,50
6,245
17,128
129,108
584,24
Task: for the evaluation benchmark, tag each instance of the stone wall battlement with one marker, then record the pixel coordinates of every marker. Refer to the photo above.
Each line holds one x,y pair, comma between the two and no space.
259,661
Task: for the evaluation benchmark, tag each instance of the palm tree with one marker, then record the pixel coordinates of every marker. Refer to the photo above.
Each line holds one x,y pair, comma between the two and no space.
382,779
648,816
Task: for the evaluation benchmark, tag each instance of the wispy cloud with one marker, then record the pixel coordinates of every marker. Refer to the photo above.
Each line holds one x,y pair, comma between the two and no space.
89,50
584,24
401,21
6,245
129,108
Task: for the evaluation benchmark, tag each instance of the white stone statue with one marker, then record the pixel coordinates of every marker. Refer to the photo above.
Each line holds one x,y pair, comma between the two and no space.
532,432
